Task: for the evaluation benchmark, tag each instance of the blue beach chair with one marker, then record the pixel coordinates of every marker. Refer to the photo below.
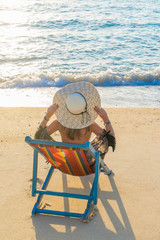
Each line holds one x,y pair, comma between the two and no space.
70,159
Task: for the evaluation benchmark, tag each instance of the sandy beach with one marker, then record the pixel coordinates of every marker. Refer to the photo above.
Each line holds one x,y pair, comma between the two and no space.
128,201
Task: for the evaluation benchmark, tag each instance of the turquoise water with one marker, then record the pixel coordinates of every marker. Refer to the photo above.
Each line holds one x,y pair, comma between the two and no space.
47,44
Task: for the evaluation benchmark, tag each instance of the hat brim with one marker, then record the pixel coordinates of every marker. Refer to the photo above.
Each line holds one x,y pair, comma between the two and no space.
70,120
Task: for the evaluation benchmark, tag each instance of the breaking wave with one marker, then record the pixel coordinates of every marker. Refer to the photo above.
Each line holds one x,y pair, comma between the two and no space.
109,78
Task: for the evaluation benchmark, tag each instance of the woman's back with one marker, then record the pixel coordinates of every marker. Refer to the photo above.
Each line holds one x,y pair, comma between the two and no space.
79,136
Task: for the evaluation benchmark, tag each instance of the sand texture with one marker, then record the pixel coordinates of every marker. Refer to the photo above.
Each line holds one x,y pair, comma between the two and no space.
128,201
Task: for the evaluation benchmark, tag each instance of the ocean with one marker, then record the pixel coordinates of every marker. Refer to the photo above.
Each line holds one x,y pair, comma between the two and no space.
47,44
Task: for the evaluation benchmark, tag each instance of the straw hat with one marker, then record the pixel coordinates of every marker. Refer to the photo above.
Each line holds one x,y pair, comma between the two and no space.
76,105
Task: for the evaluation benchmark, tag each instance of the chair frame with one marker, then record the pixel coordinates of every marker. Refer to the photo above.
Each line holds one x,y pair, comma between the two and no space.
92,197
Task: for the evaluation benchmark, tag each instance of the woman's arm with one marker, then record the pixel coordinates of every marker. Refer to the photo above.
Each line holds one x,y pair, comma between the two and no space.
50,112
96,129
53,127
43,131
103,114
108,133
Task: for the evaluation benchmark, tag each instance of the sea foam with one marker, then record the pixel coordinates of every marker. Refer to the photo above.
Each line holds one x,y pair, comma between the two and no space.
135,77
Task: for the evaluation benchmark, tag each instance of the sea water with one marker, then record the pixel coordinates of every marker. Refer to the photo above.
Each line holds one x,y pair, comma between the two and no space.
47,44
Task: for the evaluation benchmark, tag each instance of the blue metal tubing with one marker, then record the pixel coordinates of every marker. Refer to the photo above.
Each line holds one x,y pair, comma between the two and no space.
45,184
87,211
35,165
97,171
91,194
59,144
60,213
94,190
62,194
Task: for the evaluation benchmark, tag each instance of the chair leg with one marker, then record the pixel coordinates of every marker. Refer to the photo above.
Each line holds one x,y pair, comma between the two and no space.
45,184
105,168
89,213
35,166
91,205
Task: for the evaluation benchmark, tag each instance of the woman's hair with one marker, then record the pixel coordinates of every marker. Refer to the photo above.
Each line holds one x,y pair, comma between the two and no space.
72,133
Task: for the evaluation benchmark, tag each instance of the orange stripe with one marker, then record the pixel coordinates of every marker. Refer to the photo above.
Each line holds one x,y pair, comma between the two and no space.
74,163
86,163
79,162
77,165
48,157
59,160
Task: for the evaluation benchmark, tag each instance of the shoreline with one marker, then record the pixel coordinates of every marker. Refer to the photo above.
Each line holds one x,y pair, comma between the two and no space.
128,202
112,97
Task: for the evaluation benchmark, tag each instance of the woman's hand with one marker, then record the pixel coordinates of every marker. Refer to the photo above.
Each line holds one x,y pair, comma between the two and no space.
102,113
51,110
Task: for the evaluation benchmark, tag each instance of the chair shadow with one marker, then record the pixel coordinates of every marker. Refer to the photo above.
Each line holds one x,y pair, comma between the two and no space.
123,227
55,227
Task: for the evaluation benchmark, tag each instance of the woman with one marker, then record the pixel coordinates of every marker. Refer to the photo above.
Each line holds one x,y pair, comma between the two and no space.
76,106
